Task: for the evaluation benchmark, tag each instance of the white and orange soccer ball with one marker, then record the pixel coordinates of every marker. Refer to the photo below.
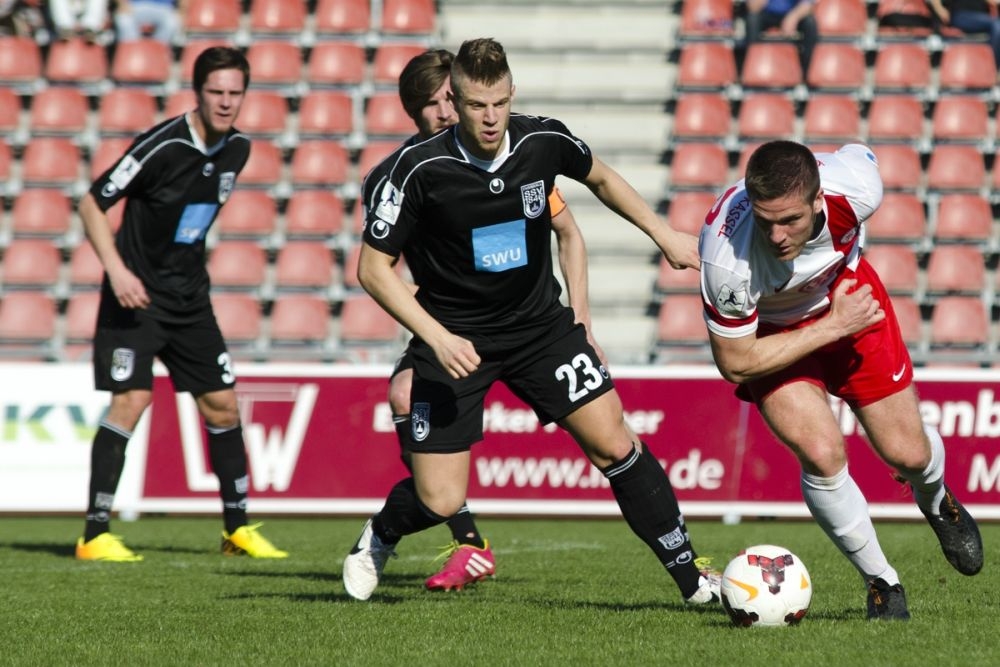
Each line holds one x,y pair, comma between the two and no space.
766,585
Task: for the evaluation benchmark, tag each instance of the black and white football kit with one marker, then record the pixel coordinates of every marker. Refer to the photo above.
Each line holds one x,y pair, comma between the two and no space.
477,239
174,186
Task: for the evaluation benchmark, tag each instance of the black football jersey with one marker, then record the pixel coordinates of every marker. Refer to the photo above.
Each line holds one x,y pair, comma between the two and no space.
478,242
174,186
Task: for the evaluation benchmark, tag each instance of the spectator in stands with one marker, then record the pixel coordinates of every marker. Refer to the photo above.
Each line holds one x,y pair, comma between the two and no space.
793,18
468,210
155,301
160,19
19,17
425,91
973,17
79,18
796,314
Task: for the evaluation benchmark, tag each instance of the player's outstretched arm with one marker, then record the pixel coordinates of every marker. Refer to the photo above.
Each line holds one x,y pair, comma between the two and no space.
378,277
126,285
680,249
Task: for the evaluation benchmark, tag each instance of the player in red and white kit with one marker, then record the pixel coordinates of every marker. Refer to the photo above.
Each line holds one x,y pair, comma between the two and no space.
794,313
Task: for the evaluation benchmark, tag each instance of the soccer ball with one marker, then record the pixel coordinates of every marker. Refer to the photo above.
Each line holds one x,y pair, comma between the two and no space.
766,585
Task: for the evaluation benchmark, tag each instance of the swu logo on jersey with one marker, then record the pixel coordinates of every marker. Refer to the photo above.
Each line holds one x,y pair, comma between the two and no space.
387,211
500,247
194,222
533,198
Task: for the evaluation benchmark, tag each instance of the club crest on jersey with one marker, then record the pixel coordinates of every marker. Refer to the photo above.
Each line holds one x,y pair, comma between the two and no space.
122,364
420,421
730,301
227,180
533,199
387,211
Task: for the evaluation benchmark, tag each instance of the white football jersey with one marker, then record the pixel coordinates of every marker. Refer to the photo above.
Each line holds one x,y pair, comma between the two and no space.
742,283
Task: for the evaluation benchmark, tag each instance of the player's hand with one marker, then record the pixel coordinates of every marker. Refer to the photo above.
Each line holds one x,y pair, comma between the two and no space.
852,310
456,355
128,289
682,253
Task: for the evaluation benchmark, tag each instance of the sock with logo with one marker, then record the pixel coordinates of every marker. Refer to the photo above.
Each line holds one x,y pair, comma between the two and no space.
841,511
928,484
228,457
403,514
648,503
107,459
463,528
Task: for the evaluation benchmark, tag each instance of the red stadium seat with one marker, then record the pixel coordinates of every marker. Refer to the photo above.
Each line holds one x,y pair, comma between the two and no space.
899,166
76,62
895,118
85,269
264,114
688,210
239,317
81,316
706,19
364,322
963,218
278,18
237,265
109,150
180,101
336,64
955,167
699,166
27,317
305,265
702,116
967,66
841,19
960,118
30,264
832,118
706,65
670,280
41,212
58,111
766,116
10,111
300,320
897,265
325,113
681,322
6,160
351,260
902,67
408,17
373,153
314,214
771,65
959,321
912,11
20,61
390,59
126,111
907,312
336,17
142,61
193,48
275,64
319,163
836,66
50,162
248,214
219,17
900,218
386,117
264,167
956,269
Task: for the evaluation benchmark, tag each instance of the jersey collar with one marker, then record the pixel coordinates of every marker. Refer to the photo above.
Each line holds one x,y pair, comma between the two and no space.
488,166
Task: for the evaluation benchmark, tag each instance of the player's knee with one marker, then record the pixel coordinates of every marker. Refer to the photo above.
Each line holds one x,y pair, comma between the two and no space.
399,394
127,407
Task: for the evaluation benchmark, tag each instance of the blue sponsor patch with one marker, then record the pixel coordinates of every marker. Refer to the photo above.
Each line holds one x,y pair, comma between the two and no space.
500,247
194,223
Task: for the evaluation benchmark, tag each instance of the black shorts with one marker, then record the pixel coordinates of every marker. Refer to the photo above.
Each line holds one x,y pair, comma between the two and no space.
127,340
556,374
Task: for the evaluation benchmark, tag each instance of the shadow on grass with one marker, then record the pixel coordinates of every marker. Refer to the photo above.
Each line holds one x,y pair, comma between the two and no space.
64,549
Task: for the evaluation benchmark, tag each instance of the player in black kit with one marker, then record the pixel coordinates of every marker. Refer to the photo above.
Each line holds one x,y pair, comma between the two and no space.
155,297
468,211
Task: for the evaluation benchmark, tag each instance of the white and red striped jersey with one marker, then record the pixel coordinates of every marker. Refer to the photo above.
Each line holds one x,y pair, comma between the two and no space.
743,283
